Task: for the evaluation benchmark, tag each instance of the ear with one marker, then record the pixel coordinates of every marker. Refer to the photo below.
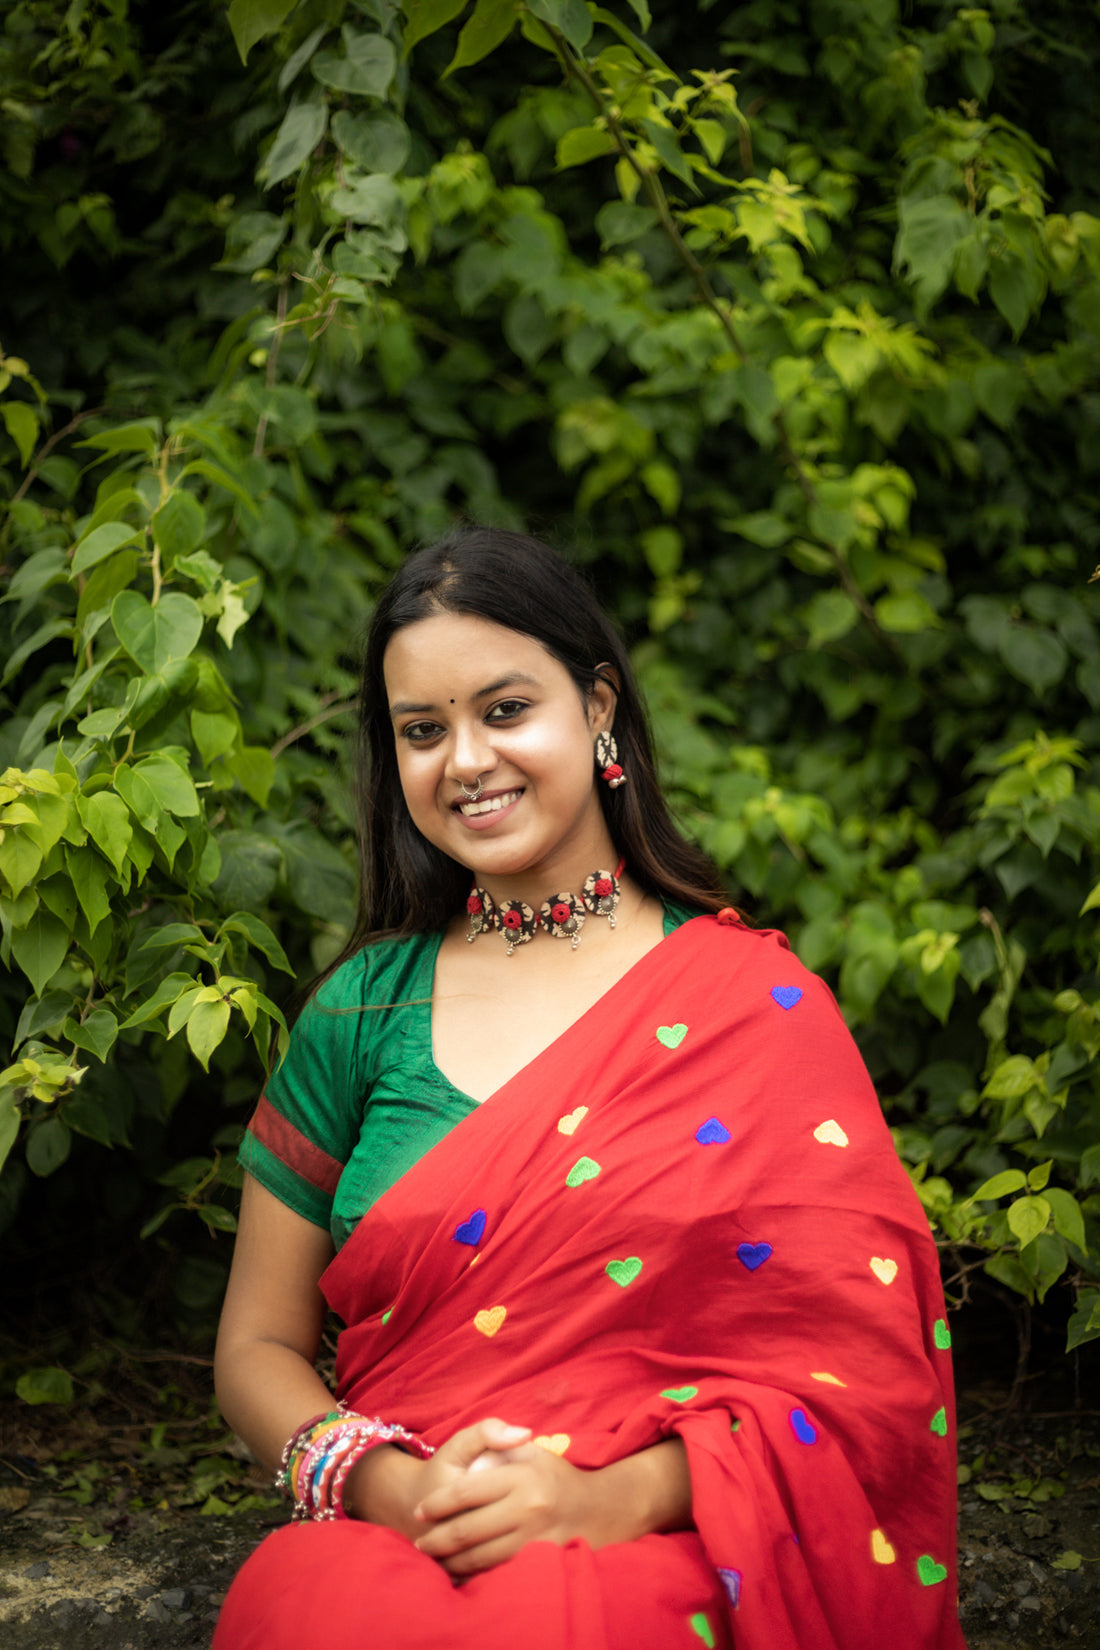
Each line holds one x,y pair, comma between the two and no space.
603,698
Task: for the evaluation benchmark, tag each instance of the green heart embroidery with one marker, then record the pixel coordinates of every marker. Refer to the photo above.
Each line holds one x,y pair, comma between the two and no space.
680,1394
735,1425
672,1036
700,1625
583,1169
386,1316
623,1272
941,1335
938,1423
929,1571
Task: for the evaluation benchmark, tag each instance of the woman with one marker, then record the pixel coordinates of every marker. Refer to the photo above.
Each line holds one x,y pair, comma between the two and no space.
641,1312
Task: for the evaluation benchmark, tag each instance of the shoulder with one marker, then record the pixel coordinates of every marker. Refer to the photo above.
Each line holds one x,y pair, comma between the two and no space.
375,972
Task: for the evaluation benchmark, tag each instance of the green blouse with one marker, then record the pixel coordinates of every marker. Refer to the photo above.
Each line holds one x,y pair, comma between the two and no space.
359,1098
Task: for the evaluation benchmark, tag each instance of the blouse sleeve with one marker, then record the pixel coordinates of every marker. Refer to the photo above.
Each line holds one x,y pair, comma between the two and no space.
307,1122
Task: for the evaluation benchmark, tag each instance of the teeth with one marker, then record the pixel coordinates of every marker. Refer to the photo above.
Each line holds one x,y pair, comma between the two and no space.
491,805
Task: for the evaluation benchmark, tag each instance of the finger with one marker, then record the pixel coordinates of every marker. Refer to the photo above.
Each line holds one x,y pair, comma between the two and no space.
475,1560
490,1434
468,1529
478,1489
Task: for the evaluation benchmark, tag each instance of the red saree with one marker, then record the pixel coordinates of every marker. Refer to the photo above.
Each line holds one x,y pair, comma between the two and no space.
686,1216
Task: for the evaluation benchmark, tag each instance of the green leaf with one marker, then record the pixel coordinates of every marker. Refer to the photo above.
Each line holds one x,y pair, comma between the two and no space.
253,768
375,200
1069,1220
585,143
906,613
179,526
170,784
570,17
103,542
1068,1560
251,243
424,17
214,733
20,860
830,615
21,422
153,636
1012,1079
929,232
253,20
88,875
1084,1325
100,590
492,22
48,1146
40,949
250,868
1027,1217
46,633
1036,657
378,142
96,1033
141,435
618,222
42,1014
259,935
45,1386
301,131
106,819
207,1024
9,1123
168,992
1012,290
367,68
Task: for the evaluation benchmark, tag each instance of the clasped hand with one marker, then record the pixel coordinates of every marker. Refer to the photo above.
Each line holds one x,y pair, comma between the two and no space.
489,1490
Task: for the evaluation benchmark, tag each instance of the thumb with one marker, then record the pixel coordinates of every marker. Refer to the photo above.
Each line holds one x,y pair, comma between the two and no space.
490,1434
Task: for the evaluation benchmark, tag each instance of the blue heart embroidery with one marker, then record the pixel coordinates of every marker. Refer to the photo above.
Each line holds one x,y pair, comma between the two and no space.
469,1231
752,1255
712,1133
787,995
731,1581
802,1427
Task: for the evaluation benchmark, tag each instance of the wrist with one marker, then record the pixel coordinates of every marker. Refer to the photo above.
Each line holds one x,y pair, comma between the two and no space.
380,1489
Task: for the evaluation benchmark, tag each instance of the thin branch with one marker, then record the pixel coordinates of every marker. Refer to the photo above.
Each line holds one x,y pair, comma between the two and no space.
272,364
48,446
324,715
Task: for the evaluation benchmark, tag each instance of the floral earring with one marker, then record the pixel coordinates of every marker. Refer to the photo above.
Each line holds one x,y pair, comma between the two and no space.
607,760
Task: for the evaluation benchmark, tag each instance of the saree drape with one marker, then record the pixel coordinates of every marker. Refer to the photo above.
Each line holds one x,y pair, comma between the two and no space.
685,1217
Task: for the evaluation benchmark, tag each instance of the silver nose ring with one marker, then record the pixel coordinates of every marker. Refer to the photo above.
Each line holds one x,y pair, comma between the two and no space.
471,796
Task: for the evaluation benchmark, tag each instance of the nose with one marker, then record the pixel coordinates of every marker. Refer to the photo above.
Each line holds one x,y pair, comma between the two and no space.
471,752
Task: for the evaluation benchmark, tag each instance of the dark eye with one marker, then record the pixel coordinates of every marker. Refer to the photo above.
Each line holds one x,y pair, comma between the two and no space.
506,709
419,733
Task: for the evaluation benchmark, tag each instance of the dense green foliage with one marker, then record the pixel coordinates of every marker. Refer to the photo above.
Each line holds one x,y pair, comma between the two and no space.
787,318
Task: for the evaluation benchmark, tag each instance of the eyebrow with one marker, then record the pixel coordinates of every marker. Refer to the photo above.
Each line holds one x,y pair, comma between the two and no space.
513,679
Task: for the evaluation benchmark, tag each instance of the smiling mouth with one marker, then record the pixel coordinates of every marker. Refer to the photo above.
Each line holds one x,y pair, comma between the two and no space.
488,804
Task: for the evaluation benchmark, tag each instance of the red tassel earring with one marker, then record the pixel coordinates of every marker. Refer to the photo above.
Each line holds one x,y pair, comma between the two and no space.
607,760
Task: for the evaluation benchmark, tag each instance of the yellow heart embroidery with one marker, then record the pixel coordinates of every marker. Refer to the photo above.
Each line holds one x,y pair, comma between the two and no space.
881,1550
490,1321
885,1270
557,1442
572,1120
830,1133
822,1375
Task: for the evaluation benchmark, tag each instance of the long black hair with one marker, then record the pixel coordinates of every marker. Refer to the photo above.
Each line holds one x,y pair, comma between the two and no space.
409,885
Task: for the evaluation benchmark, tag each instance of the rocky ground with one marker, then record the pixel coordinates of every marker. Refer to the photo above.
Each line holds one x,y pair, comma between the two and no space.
85,1576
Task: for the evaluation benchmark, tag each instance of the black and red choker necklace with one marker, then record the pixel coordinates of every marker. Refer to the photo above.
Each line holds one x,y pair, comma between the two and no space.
562,915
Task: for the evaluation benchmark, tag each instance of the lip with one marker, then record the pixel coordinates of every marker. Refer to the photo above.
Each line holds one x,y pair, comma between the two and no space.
482,822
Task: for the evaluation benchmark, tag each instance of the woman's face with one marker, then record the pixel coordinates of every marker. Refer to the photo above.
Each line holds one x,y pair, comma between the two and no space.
472,700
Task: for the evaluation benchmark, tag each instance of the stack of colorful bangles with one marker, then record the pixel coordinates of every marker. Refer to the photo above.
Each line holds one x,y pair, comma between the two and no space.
318,1458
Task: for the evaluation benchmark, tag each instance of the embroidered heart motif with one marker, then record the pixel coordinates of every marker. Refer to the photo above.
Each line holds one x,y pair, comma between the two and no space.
623,1272
735,1424
802,1427
583,1169
881,1550
787,995
680,1394
823,1375
941,1335
490,1321
386,1316
672,1036
938,1423
752,1255
556,1442
469,1231
572,1120
731,1581
929,1571
700,1625
712,1133
885,1270
830,1133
